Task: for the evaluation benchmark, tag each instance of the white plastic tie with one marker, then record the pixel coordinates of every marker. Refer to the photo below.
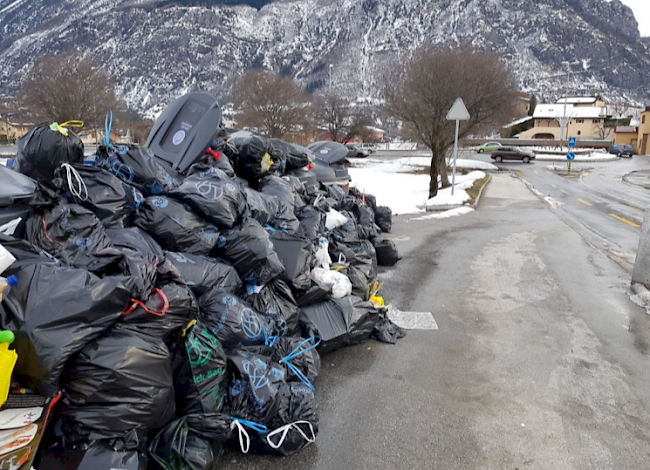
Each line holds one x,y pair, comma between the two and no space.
77,187
242,434
284,430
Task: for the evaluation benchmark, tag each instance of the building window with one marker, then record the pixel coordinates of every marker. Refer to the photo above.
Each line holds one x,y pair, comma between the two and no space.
643,119
580,121
579,132
596,121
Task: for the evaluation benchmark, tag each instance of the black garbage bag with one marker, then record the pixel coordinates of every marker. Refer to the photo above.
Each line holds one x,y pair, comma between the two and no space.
313,295
312,222
360,253
262,207
360,282
384,218
249,249
335,192
202,273
295,425
275,300
296,255
371,201
214,195
234,322
44,148
350,229
292,156
120,386
92,455
98,190
74,235
165,313
214,157
54,310
143,262
283,189
254,385
287,221
200,371
339,322
192,442
387,254
386,331
175,226
298,357
367,229
137,166
251,156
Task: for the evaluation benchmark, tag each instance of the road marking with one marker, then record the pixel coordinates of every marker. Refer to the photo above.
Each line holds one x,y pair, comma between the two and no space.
565,192
624,220
601,176
554,185
618,176
535,171
585,202
549,172
520,172
585,173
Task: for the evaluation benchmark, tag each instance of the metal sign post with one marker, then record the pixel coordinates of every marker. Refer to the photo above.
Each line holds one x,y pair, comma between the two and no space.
458,112
571,156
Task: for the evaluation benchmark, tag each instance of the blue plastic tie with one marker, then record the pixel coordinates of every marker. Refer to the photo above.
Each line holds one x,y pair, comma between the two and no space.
107,128
297,352
254,426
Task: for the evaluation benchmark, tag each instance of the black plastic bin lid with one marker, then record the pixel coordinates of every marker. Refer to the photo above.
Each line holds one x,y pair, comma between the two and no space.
185,129
14,186
331,152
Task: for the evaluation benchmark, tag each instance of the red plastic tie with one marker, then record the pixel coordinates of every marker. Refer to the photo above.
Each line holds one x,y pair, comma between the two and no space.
135,303
213,154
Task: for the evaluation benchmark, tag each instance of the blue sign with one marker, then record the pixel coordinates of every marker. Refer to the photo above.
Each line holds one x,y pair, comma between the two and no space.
572,141
571,156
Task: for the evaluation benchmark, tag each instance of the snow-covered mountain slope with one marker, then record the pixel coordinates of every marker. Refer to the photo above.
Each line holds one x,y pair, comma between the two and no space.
158,50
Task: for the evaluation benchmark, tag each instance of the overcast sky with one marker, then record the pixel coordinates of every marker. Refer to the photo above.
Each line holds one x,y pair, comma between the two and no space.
641,10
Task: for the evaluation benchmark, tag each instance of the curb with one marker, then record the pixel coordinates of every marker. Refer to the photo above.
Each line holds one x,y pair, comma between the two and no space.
627,181
641,296
480,193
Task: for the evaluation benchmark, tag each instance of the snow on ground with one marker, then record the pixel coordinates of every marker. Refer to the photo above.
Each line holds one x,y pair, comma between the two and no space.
445,200
446,214
460,163
402,192
406,193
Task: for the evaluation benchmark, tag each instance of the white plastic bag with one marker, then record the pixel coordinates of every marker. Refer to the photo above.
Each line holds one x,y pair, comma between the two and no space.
322,255
334,281
6,259
335,219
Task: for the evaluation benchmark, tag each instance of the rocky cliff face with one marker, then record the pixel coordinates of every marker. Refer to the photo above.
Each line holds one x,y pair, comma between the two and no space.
158,50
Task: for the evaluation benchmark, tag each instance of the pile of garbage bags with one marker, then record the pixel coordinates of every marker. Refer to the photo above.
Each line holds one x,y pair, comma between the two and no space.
180,314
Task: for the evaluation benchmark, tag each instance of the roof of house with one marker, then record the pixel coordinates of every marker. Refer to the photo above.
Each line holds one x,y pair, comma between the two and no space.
518,121
578,99
554,111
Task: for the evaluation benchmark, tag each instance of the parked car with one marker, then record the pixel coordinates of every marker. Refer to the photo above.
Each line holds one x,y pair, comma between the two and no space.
355,151
512,153
487,147
621,150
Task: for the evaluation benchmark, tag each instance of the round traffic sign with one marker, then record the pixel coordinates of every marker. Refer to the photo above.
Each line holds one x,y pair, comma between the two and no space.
571,156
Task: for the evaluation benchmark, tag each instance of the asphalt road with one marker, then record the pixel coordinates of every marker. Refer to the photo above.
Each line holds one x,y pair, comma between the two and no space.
540,361
594,195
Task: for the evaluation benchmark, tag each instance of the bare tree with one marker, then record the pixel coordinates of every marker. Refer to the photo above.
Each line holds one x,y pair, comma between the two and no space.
69,87
342,121
421,90
274,105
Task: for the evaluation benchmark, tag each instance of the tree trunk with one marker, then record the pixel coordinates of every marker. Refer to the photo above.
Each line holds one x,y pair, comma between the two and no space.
444,177
433,173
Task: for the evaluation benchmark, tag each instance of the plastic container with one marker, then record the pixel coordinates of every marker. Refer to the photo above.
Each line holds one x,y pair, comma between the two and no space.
6,284
7,362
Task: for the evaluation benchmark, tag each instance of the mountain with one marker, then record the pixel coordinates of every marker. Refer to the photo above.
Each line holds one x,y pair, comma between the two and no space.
158,50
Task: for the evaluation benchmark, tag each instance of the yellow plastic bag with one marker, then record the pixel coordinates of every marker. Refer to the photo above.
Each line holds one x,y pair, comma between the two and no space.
7,362
378,302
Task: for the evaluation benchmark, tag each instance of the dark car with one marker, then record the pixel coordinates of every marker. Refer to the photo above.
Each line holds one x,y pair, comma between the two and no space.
512,153
356,151
621,150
